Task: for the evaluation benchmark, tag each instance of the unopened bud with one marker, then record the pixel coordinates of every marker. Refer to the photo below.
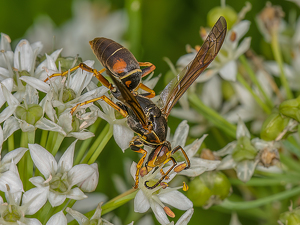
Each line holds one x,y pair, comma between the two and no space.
31,115
244,150
291,108
291,217
273,126
227,12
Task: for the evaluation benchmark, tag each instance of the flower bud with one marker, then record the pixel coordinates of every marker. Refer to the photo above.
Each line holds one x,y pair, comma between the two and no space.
202,188
67,62
198,192
222,186
291,108
290,217
273,126
68,95
244,150
227,12
31,115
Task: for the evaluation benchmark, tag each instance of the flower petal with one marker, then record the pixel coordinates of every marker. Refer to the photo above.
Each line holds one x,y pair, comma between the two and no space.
176,199
229,71
141,203
79,173
76,194
36,83
56,199
57,219
185,218
34,199
43,160
90,184
14,155
66,161
23,56
159,213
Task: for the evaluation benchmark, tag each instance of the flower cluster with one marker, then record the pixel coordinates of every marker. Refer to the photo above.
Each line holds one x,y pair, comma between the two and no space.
243,111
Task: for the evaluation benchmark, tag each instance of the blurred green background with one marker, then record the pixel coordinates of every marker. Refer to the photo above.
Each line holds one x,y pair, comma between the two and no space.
162,29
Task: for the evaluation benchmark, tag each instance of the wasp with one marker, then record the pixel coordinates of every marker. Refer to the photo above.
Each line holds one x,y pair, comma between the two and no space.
118,62
149,121
144,117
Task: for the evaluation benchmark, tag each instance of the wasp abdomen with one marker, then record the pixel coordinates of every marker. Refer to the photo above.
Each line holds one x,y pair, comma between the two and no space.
113,56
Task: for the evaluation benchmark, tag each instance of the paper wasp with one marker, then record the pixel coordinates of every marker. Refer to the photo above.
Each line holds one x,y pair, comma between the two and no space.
144,117
150,122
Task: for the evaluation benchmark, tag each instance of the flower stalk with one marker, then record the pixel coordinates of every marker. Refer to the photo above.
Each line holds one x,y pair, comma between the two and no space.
278,58
257,99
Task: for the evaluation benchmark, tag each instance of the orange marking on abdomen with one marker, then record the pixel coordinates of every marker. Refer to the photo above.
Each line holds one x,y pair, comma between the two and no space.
119,66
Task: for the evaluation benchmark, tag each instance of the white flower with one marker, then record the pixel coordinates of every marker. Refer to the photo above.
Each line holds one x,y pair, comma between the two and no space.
14,212
83,220
57,219
198,165
9,174
61,176
240,155
155,198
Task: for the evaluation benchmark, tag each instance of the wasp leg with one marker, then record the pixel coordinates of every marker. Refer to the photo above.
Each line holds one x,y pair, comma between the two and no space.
164,176
149,68
188,163
107,100
83,66
150,93
140,163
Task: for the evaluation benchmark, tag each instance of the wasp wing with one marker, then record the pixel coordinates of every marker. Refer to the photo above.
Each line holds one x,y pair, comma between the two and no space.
130,101
209,50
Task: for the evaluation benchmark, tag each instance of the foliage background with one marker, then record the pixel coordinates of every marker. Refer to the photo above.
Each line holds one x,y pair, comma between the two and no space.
165,27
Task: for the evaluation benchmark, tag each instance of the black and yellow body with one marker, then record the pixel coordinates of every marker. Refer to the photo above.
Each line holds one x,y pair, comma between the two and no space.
147,120
121,63
118,60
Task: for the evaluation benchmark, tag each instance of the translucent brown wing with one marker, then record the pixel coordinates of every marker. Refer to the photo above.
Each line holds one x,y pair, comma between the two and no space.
130,101
209,50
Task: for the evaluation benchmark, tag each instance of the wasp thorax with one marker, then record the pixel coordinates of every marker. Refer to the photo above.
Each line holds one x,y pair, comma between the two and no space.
30,113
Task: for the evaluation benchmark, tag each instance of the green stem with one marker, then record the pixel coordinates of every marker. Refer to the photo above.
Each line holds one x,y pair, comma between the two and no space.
256,98
57,142
86,143
95,144
44,138
11,142
112,204
260,202
255,81
212,116
278,57
106,138
29,162
50,140
22,163
133,8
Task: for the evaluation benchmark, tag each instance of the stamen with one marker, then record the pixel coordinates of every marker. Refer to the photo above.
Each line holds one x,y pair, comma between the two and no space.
169,212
